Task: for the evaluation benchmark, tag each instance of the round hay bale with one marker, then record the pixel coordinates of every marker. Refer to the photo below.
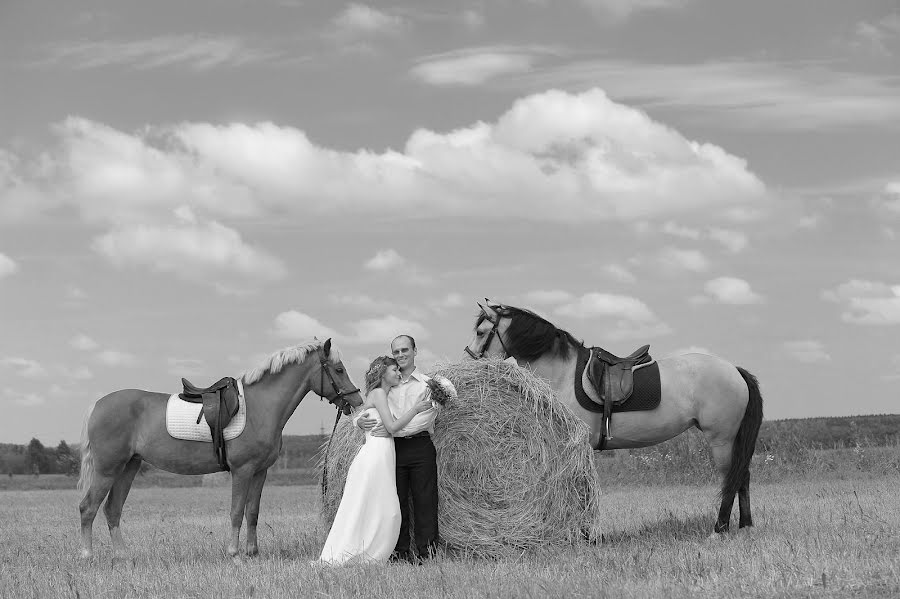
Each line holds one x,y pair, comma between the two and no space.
515,470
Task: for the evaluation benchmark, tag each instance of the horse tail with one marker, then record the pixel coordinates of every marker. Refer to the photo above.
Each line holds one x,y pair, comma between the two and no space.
745,440
87,462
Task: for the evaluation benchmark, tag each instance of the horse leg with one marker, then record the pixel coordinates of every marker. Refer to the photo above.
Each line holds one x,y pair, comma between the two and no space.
744,501
115,501
90,503
252,511
240,486
721,453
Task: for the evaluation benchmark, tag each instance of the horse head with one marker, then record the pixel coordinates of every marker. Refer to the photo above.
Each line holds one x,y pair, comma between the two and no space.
487,339
338,389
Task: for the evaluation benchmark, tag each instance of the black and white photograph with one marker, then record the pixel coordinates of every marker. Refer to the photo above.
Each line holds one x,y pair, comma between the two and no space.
478,298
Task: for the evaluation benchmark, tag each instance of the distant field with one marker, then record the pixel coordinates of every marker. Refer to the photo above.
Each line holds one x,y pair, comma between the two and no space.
814,538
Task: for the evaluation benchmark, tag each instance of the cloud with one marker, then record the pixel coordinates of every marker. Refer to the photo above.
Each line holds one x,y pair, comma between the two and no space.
79,373
473,19
83,342
807,351
619,273
734,241
193,252
362,20
731,290
674,260
598,159
451,300
112,357
879,38
867,302
25,367
738,94
297,325
620,10
620,316
385,260
473,66
27,400
8,266
197,52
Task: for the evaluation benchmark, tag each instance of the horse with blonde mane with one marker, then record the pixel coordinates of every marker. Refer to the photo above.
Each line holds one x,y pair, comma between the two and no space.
128,427
694,390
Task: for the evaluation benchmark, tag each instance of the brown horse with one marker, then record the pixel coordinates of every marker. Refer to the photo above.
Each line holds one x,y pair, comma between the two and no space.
126,427
696,390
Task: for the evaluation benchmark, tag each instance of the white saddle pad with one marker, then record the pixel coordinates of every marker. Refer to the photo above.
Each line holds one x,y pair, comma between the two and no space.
181,419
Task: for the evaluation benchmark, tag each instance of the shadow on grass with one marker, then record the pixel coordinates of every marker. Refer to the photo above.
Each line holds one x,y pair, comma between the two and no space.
695,527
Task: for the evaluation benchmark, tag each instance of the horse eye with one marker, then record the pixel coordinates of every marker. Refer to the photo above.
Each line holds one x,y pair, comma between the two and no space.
339,370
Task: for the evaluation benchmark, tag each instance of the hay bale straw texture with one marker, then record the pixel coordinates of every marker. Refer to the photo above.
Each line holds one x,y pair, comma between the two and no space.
515,470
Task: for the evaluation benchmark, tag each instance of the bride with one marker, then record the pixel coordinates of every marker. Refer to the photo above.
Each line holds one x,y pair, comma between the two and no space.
367,522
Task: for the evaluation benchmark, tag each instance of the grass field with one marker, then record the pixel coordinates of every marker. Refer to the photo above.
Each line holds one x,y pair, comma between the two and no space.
814,538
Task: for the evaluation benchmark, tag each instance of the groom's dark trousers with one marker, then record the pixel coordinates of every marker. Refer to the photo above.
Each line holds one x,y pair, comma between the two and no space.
417,477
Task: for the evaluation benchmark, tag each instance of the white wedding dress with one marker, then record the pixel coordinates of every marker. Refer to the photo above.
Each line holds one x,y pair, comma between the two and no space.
367,523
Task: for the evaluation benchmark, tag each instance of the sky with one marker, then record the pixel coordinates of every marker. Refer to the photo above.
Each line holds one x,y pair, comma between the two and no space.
186,188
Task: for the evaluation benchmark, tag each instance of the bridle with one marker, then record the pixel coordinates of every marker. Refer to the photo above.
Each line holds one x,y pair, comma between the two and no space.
487,342
338,398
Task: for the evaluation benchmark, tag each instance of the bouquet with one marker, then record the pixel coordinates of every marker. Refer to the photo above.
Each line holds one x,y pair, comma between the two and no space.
442,390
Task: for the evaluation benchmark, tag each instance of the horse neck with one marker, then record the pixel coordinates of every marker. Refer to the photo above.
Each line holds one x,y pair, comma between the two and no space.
282,392
560,372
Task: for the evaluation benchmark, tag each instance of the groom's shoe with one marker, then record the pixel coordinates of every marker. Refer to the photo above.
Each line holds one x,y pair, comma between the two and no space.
402,556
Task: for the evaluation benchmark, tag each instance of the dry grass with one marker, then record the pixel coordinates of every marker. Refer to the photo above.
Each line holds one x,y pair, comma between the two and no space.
813,539
515,471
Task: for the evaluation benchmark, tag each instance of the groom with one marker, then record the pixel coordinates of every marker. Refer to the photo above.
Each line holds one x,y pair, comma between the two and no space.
416,456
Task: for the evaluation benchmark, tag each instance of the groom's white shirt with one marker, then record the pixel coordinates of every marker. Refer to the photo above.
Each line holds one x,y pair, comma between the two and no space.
404,396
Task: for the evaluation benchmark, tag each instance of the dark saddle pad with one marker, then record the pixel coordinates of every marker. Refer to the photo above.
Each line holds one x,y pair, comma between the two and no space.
642,385
220,403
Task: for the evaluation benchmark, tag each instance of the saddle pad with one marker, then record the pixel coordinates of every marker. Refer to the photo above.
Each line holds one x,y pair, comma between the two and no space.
181,419
645,395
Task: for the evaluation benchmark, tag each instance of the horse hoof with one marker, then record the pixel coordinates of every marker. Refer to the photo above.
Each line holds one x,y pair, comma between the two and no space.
86,554
253,552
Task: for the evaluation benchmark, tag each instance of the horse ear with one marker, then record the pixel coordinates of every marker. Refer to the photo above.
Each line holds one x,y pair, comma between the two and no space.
493,305
327,347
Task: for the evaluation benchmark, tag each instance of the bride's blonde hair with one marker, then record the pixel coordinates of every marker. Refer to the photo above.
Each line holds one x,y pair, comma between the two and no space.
376,370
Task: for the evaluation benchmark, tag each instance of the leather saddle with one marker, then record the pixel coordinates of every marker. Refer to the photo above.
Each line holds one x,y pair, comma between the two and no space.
613,379
220,403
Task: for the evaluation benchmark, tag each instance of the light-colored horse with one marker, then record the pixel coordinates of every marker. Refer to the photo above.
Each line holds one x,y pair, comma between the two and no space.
697,390
126,427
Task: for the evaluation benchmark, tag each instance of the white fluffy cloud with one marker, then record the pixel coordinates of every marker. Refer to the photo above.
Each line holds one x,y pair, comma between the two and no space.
360,19
385,260
619,10
867,302
472,66
297,325
598,159
24,367
731,290
367,331
672,259
191,251
807,350
8,266
619,316
83,342
114,357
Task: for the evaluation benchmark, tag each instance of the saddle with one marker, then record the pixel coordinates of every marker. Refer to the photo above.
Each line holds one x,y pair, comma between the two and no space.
613,379
220,404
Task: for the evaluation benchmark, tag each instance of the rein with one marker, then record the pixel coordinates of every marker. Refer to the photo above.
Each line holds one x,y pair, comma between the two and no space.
341,409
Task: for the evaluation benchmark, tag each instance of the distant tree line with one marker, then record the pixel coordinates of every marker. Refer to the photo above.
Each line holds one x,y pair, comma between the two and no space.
37,459
301,451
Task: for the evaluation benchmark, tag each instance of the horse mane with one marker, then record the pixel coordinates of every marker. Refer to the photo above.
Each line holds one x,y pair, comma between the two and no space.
295,354
530,336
